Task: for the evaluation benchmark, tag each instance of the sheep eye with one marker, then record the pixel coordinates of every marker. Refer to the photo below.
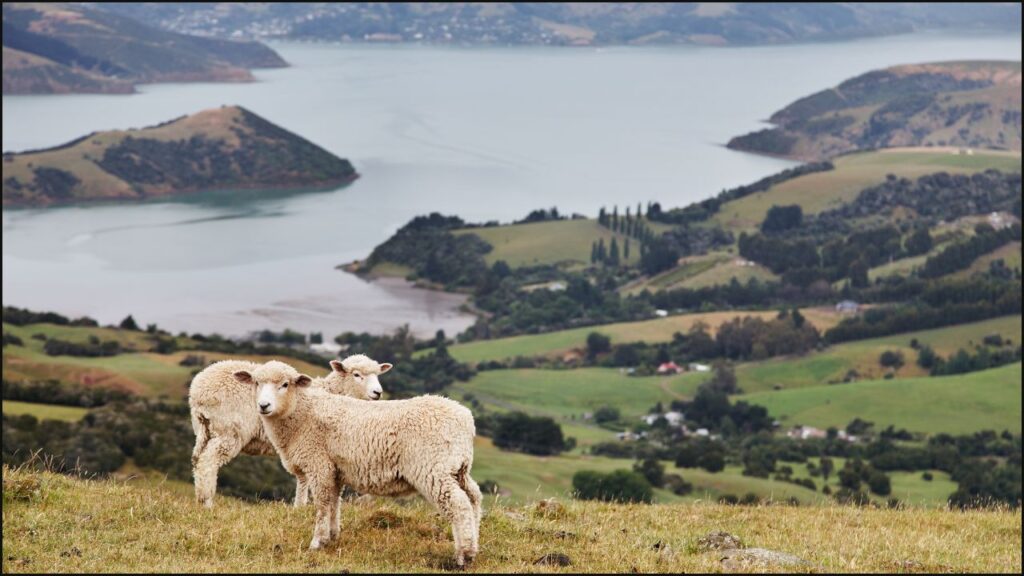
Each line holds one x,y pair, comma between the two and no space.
285,385
358,375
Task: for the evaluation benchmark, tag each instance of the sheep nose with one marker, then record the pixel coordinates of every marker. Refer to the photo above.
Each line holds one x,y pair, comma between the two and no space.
263,407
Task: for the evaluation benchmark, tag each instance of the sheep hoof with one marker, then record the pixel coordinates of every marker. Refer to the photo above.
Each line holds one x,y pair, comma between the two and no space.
315,544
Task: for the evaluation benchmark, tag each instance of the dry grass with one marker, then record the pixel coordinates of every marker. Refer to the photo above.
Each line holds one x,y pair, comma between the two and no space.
57,524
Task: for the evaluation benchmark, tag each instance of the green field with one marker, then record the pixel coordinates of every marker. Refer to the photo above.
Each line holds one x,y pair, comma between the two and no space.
555,242
986,400
530,478
832,364
565,394
44,411
853,172
655,330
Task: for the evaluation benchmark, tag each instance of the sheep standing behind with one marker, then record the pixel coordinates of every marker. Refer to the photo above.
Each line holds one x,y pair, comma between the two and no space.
391,448
225,421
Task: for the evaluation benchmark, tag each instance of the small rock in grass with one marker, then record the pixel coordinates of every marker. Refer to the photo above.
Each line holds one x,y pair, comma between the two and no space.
553,559
742,560
718,541
549,508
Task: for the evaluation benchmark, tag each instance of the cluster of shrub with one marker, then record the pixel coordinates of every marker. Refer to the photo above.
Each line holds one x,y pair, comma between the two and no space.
93,348
934,197
54,392
156,435
961,255
22,316
963,361
940,303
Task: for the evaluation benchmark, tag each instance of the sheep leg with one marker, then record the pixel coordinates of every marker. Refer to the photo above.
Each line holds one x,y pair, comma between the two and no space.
301,490
324,492
453,503
472,490
218,451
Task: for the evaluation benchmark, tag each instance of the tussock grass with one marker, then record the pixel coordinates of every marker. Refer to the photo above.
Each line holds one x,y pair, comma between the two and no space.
71,525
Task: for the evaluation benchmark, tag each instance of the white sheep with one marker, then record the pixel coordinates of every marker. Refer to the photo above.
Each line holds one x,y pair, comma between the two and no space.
389,448
225,422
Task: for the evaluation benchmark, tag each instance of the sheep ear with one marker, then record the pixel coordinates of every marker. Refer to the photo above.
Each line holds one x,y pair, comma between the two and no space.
303,380
337,366
385,367
243,377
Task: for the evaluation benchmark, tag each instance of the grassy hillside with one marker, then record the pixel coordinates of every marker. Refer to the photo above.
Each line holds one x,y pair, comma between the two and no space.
1010,254
964,104
59,524
145,373
701,271
821,191
62,48
26,73
220,149
833,363
554,242
986,400
656,330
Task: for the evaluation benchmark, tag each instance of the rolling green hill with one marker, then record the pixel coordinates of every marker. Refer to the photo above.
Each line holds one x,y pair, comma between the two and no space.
835,362
136,370
820,191
227,148
986,400
656,330
555,242
52,48
964,104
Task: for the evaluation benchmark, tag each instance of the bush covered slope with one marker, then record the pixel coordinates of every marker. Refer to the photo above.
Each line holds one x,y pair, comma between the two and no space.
965,104
220,149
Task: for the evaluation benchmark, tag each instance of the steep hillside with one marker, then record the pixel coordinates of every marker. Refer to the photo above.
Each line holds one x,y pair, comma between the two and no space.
26,73
59,524
61,48
566,23
225,148
964,104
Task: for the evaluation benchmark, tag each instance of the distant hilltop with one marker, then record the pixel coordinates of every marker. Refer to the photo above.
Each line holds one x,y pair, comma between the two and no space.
66,48
569,23
225,148
960,104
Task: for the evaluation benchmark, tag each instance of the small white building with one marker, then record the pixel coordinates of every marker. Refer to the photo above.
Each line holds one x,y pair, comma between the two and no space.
847,307
661,313
697,367
673,418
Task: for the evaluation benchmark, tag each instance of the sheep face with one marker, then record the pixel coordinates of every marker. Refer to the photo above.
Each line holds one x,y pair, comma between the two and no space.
274,384
357,376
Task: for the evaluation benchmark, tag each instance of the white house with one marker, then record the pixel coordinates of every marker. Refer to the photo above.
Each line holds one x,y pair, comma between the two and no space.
847,307
661,313
696,367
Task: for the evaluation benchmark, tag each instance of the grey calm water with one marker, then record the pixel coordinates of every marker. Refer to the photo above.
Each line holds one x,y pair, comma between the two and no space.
482,133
